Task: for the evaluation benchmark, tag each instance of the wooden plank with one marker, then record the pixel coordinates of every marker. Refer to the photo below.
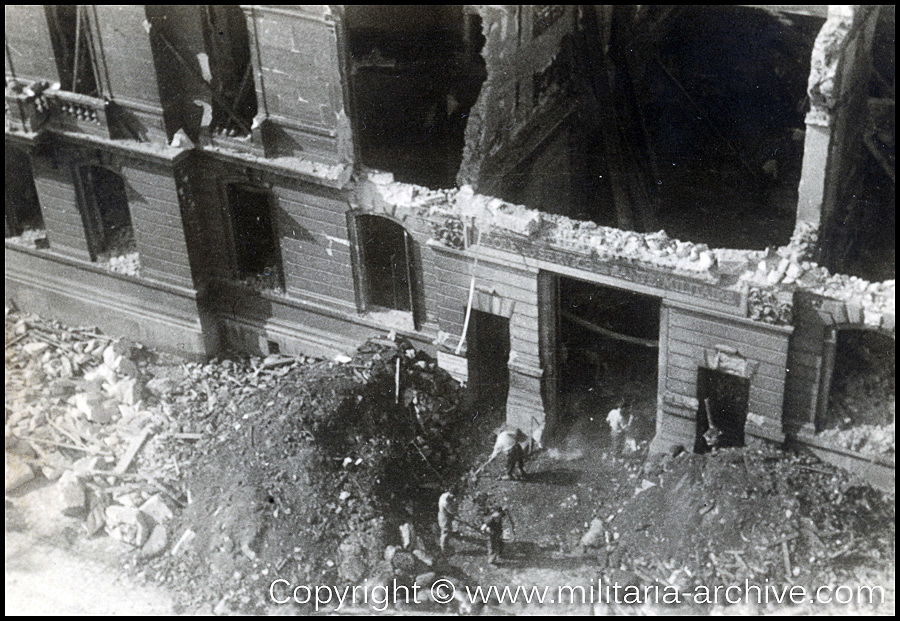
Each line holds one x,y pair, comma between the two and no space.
712,330
176,263
314,261
517,286
166,269
334,215
162,230
136,443
765,402
689,350
313,275
524,322
524,336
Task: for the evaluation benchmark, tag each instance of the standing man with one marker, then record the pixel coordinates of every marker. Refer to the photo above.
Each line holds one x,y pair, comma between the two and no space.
494,529
515,458
447,512
616,422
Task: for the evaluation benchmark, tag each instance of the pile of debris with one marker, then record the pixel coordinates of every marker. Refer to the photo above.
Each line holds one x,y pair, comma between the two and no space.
450,211
306,471
867,439
109,426
31,238
751,514
128,263
75,415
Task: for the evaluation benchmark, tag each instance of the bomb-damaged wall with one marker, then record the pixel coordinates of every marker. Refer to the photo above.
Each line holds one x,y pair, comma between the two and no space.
732,309
522,104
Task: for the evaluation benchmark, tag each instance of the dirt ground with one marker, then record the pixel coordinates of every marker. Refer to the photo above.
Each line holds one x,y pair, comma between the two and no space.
303,470
52,569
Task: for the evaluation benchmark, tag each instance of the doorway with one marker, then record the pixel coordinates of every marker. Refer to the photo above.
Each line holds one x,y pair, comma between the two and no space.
722,414
488,360
599,350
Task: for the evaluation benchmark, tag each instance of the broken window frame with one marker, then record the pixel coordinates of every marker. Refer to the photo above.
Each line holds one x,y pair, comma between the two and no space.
228,116
277,277
361,269
89,206
70,48
15,223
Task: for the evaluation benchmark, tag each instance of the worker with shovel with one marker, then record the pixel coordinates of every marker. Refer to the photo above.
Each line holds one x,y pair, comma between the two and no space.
447,513
448,516
508,441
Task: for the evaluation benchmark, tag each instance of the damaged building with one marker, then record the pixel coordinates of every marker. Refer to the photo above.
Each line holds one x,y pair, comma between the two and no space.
686,208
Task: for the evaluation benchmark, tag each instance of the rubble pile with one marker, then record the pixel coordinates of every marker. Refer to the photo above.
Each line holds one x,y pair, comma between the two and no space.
76,414
453,210
456,215
753,514
239,466
655,249
128,263
309,476
871,439
790,265
114,430
861,404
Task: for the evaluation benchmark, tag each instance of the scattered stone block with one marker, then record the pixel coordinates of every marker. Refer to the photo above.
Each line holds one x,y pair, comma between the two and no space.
160,386
71,494
95,406
594,534
156,542
18,472
54,464
128,524
35,349
157,508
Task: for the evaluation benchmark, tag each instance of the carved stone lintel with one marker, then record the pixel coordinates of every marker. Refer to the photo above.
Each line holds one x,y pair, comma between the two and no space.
769,306
727,360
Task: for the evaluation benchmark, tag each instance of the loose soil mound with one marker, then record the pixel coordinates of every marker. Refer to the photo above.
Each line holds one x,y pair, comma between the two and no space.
755,514
310,479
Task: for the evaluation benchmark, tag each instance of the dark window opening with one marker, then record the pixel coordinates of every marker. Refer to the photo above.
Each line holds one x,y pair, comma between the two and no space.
488,358
227,43
416,71
273,347
106,214
710,102
23,209
385,250
862,381
72,45
722,414
257,253
608,351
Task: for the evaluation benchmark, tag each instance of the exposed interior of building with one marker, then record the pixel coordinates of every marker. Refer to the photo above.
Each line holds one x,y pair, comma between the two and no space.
684,210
